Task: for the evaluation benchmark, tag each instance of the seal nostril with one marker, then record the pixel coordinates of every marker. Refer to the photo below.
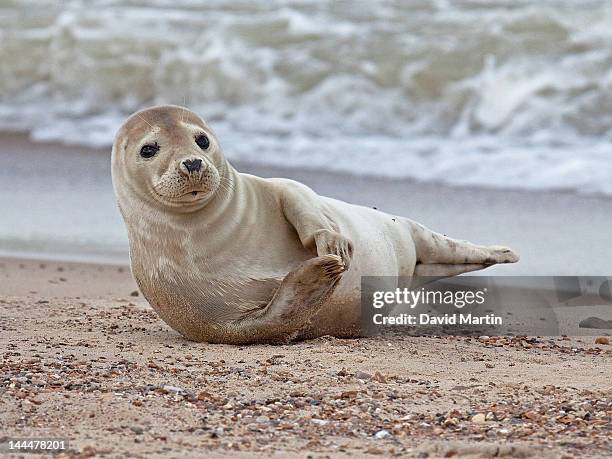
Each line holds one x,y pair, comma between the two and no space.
193,165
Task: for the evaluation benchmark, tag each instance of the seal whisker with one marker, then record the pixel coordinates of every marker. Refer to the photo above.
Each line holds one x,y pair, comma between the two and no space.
150,125
226,185
184,108
227,182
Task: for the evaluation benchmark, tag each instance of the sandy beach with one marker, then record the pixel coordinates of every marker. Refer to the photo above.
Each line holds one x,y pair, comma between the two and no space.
86,359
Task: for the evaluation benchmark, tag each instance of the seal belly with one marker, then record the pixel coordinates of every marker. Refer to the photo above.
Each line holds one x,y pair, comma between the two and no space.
194,290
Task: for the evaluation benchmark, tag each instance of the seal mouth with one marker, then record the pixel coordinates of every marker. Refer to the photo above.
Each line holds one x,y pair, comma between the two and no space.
193,192
177,189
192,195
186,197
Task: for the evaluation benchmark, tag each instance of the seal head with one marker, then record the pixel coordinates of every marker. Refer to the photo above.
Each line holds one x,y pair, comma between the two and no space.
167,157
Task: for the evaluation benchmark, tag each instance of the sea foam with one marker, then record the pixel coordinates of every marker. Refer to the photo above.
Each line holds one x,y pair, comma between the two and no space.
499,94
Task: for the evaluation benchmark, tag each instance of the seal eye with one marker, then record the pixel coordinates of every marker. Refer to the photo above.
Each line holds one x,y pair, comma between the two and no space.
148,151
202,141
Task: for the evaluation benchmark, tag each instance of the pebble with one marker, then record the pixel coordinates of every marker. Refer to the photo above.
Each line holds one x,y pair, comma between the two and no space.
137,430
362,375
382,434
176,390
319,422
479,418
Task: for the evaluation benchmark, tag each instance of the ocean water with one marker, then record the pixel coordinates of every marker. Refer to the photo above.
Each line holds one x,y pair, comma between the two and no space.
506,93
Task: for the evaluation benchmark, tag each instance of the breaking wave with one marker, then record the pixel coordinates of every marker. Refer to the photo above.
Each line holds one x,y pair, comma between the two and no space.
508,93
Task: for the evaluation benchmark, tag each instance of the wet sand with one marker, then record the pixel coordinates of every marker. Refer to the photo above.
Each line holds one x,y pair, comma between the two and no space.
69,211
85,359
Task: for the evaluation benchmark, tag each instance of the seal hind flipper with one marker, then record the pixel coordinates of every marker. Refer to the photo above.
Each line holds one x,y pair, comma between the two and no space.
435,248
300,296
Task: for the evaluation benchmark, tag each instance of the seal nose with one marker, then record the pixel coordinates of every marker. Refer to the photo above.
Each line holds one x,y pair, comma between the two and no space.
193,165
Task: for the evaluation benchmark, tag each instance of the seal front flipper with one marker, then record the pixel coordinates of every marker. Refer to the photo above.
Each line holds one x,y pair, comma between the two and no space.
299,297
331,242
315,226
